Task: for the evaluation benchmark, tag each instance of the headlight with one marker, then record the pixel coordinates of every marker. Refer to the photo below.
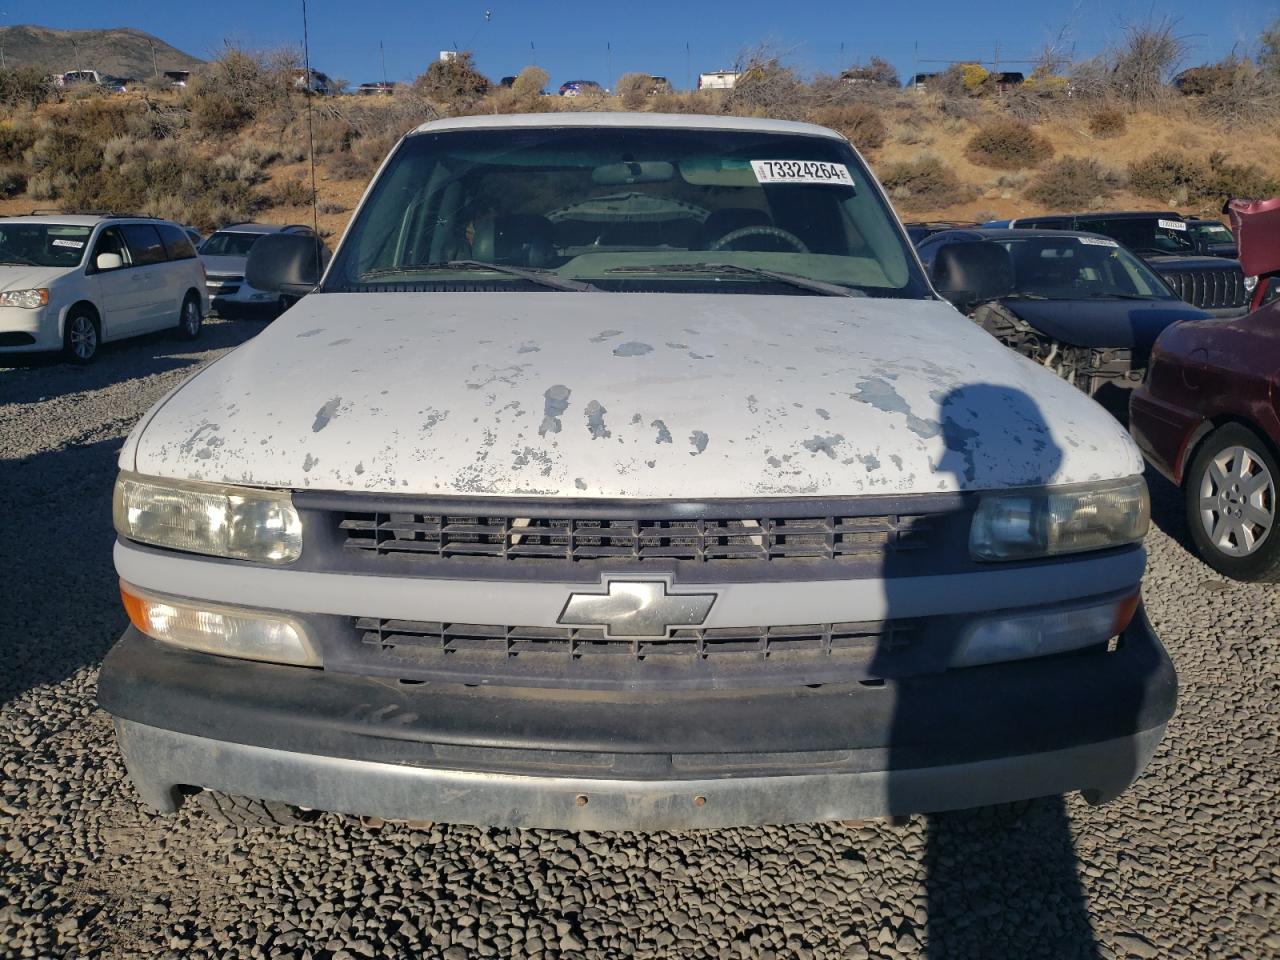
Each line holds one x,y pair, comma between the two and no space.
214,628
1054,520
1250,283
242,523
30,299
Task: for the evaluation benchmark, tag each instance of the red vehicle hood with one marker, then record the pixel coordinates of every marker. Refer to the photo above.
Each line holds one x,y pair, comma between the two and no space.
1256,224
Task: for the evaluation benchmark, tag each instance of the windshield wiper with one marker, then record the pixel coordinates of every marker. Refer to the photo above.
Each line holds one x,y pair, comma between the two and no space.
14,260
795,280
543,278
1022,295
1119,296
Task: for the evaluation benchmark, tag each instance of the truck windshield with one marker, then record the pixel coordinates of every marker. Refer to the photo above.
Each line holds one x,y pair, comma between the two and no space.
1214,233
1071,268
229,243
42,244
1146,236
626,209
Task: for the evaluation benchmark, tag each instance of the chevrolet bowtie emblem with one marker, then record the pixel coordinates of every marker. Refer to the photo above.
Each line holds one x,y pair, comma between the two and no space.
637,609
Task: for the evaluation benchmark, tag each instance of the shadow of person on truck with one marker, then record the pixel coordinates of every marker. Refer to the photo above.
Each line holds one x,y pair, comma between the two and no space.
1001,881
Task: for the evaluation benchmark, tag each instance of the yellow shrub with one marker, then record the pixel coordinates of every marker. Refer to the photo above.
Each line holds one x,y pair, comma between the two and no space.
973,75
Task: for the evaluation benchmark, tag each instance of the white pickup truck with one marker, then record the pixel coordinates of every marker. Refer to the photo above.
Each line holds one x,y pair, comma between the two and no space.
625,471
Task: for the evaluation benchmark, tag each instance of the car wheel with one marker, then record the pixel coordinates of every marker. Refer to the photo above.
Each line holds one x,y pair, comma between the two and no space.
234,811
190,321
81,336
1231,504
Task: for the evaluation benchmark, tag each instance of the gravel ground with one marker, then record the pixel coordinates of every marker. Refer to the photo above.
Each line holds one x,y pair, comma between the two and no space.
1185,864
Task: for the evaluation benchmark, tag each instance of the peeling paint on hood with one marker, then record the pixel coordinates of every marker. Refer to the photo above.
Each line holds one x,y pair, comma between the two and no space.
439,394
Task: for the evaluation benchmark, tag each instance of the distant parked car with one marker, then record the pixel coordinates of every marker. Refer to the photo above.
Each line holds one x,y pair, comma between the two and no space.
105,81
313,81
1165,241
1213,237
379,89
717,80
507,82
920,231
71,283
578,88
1079,304
224,254
659,85
178,78
1207,418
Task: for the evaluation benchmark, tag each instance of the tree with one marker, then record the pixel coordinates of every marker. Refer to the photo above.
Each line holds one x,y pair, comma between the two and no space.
1269,48
876,70
453,81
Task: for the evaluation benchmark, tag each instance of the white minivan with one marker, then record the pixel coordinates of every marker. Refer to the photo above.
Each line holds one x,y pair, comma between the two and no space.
72,282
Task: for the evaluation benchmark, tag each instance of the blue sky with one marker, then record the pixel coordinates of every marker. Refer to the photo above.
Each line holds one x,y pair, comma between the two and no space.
587,40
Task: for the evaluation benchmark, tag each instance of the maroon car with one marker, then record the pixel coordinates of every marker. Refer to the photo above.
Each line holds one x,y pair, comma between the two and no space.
1207,418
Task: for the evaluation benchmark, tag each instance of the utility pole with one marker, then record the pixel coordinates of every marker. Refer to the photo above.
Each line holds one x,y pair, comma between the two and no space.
382,55
688,60
608,77
534,51
155,67
76,47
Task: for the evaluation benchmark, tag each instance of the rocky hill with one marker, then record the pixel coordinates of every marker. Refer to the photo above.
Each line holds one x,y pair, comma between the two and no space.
121,52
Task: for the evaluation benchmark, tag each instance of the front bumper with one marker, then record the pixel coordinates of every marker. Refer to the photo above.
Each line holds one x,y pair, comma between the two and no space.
230,297
592,760
29,331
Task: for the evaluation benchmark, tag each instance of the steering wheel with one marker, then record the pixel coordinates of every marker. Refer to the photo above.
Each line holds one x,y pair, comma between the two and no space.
760,230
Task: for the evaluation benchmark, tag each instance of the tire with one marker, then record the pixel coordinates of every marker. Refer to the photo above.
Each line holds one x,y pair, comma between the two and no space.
189,319
81,336
233,811
1230,490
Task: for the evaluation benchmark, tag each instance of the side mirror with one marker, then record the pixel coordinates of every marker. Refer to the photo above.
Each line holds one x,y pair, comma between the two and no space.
970,273
109,261
286,263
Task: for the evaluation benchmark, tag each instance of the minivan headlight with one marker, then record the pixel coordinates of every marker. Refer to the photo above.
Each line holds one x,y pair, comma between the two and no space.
218,520
30,299
1055,520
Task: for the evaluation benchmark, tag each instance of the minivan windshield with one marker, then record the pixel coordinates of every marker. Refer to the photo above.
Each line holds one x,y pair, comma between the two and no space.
1072,268
229,243
28,244
626,209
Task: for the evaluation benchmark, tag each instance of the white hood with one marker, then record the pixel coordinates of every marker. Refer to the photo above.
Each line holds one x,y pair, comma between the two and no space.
628,395
15,277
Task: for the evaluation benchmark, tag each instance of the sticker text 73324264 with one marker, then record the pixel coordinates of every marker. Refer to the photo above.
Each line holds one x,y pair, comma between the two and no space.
801,171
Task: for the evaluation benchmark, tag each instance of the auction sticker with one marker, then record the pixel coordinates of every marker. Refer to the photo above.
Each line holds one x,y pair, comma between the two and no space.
73,244
801,171
1171,224
1098,242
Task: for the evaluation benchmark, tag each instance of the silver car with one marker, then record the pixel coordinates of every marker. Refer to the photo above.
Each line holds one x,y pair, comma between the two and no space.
223,255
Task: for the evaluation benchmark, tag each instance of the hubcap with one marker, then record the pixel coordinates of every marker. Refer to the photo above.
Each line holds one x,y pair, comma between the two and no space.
84,338
191,317
1237,501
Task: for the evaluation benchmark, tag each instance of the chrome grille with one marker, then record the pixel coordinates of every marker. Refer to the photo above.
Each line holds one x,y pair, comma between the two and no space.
1210,289
532,539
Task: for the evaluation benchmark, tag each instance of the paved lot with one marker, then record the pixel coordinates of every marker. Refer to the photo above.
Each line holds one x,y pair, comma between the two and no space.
1186,864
